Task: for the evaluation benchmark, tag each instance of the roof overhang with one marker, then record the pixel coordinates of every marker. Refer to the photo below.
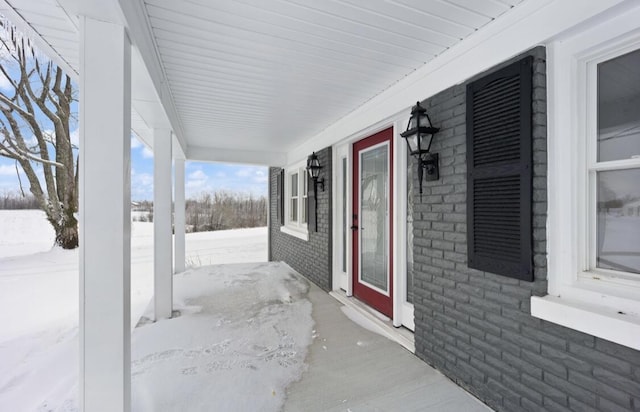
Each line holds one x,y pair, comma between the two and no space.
268,82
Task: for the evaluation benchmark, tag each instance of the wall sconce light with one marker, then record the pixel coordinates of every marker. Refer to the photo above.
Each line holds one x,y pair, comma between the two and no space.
313,167
419,136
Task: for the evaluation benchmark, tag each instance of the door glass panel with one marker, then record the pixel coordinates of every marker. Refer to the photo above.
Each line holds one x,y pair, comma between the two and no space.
374,177
619,108
618,231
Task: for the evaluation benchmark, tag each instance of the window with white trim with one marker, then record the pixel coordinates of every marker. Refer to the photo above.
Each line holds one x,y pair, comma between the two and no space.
294,198
296,201
613,166
593,228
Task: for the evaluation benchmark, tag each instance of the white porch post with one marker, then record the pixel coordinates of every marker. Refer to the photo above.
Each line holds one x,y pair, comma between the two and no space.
105,216
162,237
179,218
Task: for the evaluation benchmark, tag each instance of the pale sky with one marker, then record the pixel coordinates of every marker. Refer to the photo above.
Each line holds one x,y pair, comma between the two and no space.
199,176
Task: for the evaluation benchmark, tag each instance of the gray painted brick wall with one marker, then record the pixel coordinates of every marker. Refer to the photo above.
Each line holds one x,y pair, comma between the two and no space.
310,258
475,326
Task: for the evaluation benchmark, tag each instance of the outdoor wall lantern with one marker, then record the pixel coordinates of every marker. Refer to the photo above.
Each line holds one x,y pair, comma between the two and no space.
419,136
313,167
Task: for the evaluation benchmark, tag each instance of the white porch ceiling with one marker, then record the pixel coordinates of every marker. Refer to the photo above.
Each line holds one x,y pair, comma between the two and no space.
266,75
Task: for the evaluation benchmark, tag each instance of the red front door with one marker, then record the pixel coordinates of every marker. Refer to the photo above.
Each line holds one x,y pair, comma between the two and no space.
372,221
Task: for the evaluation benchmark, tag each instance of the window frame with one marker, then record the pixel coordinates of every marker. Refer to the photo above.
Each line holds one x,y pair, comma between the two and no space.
589,269
293,200
598,302
297,227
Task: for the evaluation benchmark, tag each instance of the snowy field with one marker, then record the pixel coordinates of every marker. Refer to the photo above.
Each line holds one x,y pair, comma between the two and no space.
202,349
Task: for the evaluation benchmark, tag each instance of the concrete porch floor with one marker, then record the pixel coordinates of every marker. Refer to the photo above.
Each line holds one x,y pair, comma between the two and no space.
353,369
260,337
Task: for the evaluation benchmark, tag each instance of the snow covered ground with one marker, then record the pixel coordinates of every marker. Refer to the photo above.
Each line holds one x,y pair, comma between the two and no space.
205,349
24,232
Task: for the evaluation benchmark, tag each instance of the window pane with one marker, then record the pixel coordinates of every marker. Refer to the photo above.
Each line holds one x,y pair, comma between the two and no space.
294,210
294,185
303,212
619,107
618,229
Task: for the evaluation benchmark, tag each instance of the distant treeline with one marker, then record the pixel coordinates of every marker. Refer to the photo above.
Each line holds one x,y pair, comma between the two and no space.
13,201
208,212
215,211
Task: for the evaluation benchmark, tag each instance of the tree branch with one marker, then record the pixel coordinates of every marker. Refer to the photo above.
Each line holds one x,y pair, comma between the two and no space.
19,179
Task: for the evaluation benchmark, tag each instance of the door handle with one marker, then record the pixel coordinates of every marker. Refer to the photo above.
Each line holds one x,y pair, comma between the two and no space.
354,227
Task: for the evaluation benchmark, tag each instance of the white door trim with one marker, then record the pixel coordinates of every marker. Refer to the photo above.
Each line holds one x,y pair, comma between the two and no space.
341,278
403,312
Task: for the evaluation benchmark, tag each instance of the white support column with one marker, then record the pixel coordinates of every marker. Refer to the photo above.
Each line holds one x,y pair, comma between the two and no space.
105,217
179,217
162,237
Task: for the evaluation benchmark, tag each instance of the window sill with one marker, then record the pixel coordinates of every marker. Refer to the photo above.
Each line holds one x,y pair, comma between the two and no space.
623,329
299,233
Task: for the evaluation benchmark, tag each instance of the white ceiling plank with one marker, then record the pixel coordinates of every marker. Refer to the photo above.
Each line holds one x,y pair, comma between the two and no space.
300,34
245,47
214,95
409,17
489,8
218,55
200,76
250,108
375,23
295,80
264,33
54,21
43,8
446,10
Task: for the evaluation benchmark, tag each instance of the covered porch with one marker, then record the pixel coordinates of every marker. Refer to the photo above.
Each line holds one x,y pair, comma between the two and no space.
266,83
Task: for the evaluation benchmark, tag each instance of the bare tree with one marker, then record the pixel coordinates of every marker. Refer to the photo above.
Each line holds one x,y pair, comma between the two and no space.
35,117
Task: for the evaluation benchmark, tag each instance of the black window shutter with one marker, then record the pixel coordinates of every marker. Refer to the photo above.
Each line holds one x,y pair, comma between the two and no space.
280,197
499,172
312,218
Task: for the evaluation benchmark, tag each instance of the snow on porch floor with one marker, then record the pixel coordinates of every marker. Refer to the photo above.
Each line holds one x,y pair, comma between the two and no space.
259,337
238,338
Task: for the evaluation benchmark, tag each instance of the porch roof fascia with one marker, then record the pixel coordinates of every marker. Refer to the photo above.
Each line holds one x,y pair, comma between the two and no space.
138,28
207,154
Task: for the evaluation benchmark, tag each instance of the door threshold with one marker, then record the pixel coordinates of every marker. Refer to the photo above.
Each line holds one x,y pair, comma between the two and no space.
382,324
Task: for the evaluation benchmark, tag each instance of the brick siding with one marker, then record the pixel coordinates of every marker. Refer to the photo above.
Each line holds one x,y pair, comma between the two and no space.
475,326
310,258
